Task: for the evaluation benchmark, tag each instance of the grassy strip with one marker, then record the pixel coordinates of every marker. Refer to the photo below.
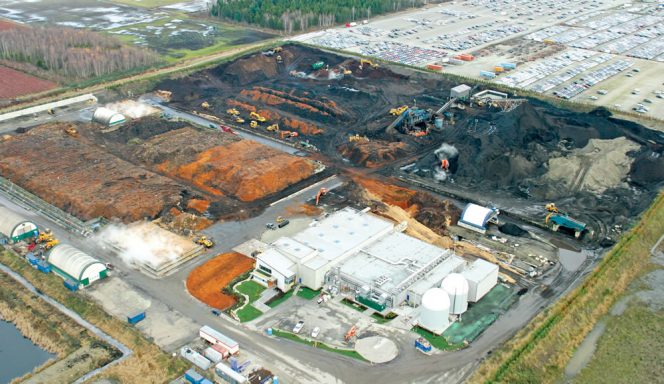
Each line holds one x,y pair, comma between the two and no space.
291,336
308,293
383,319
248,313
436,341
540,352
148,362
252,289
279,299
354,305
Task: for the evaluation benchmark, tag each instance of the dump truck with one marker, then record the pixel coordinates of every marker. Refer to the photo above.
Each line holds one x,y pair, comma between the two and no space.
273,128
556,220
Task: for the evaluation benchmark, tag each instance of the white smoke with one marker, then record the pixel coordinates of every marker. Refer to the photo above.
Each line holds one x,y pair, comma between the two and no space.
132,109
142,243
445,151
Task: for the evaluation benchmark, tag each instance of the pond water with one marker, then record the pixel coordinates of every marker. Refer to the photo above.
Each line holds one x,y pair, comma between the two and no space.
18,355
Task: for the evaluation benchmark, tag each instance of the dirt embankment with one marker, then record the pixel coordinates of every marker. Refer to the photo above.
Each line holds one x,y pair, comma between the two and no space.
81,178
375,153
207,281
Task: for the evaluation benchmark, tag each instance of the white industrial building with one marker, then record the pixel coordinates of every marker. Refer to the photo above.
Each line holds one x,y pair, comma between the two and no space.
461,92
456,287
107,117
363,256
435,311
72,263
14,227
481,277
476,217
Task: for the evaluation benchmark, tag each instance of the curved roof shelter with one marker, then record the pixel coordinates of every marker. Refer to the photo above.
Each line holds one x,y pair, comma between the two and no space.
15,227
476,217
76,264
107,116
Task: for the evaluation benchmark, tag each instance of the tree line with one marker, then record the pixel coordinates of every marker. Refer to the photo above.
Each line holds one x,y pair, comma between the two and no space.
301,15
73,53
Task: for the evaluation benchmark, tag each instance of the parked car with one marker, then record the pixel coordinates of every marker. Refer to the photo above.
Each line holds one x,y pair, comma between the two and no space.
315,332
216,312
298,327
272,226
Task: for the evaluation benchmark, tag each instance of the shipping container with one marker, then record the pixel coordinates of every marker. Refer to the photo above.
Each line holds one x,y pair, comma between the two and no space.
508,66
435,67
498,69
44,266
215,337
230,376
213,355
136,318
487,74
206,381
32,258
199,360
71,285
455,61
466,57
193,377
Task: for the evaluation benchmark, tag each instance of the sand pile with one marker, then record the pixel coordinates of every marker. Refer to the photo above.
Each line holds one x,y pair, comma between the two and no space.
374,153
600,165
132,109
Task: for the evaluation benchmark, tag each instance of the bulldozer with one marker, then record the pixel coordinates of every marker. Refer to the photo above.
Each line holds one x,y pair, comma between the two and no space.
239,120
288,134
398,111
273,128
205,105
364,62
253,124
357,138
205,241
233,111
71,131
47,240
257,117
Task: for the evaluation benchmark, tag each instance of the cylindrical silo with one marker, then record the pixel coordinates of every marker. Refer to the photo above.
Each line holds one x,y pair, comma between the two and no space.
435,310
456,287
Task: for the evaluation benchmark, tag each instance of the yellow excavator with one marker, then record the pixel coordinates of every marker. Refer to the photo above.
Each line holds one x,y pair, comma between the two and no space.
47,240
239,120
205,105
253,124
357,138
233,111
257,117
71,131
273,128
364,62
345,70
398,111
205,241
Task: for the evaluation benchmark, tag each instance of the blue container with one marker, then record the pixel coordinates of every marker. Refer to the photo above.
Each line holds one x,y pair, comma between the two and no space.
206,381
508,65
71,285
136,318
487,74
423,345
44,266
193,377
275,380
32,258
268,331
438,123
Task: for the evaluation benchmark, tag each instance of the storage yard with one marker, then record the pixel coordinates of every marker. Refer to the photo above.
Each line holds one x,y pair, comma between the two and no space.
435,211
573,50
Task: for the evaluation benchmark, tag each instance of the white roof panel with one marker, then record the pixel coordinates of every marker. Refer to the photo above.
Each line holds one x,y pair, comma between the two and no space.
277,261
478,270
293,248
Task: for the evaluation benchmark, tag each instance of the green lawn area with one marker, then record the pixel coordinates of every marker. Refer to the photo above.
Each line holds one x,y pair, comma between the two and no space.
147,3
248,313
353,305
293,337
382,320
280,299
251,289
438,342
308,293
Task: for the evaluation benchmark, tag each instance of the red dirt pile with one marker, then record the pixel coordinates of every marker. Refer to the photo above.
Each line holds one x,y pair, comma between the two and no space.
207,281
82,179
302,127
14,83
374,153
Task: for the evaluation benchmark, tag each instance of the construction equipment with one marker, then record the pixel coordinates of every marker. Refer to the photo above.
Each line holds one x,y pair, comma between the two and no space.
345,70
288,134
277,49
352,332
257,117
253,124
357,138
47,240
71,131
51,111
239,120
445,164
398,111
273,128
364,62
204,241
205,105
322,192
317,65
233,111
279,59
556,220
280,219
227,129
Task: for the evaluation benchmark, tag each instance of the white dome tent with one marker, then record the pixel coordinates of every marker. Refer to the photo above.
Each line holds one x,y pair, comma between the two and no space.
72,263
15,227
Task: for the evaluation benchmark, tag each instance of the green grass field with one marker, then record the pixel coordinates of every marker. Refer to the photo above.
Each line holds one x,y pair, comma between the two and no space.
248,313
307,293
250,288
147,3
273,303
438,342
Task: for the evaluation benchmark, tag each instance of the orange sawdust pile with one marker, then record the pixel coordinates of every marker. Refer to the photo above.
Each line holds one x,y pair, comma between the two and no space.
244,169
304,209
198,205
389,194
206,281
302,127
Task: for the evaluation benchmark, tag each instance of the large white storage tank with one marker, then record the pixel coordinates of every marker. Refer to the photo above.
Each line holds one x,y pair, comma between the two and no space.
435,310
456,287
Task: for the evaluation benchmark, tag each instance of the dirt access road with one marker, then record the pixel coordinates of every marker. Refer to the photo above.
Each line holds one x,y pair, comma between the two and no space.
152,73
